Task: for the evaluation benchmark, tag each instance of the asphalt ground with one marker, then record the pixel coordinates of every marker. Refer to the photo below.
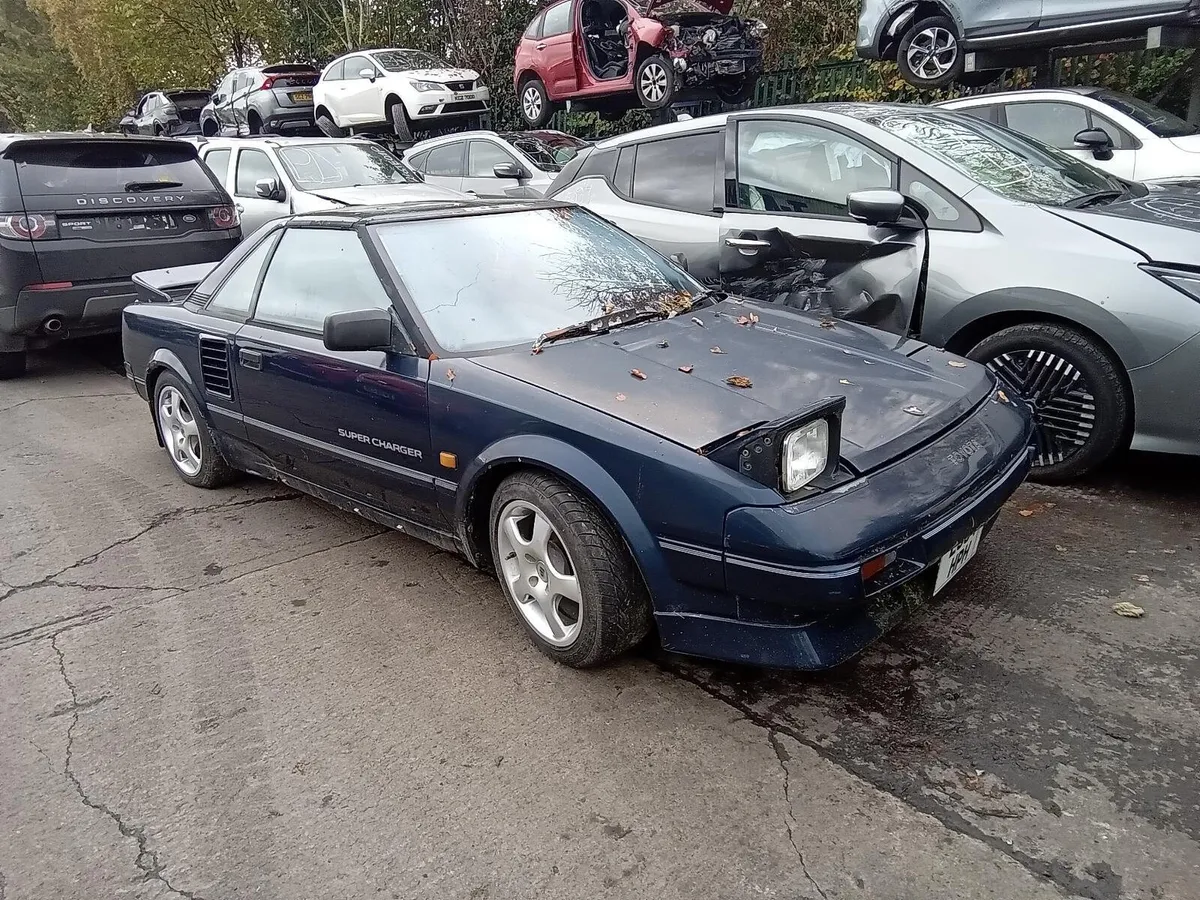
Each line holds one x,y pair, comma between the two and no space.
245,693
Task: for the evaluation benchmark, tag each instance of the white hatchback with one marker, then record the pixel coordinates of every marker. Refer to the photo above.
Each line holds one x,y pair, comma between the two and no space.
1120,134
407,90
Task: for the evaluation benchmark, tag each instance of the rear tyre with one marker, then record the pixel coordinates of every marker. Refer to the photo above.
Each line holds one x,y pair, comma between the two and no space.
536,108
400,123
655,82
328,127
1081,404
12,364
735,91
254,124
209,128
566,572
186,436
929,55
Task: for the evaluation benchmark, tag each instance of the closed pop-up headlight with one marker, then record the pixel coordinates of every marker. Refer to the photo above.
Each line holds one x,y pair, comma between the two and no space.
797,453
805,455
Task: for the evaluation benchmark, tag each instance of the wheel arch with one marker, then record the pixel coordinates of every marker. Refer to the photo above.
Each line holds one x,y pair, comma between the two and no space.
391,100
164,361
888,42
323,110
486,472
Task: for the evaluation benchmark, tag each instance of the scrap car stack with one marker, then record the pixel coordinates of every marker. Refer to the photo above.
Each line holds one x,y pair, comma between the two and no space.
760,382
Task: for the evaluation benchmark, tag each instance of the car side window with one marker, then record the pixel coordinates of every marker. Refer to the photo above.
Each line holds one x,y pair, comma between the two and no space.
534,30
558,20
316,272
218,163
1055,124
252,165
225,88
946,211
679,172
483,156
335,72
417,162
985,111
446,160
235,296
798,167
356,64
1122,139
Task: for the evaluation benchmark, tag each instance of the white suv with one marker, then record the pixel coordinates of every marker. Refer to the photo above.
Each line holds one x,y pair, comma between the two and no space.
409,90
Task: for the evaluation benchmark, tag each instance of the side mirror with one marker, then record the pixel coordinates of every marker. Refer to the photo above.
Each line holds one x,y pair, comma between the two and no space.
1098,141
369,74
680,260
509,170
360,329
269,189
876,207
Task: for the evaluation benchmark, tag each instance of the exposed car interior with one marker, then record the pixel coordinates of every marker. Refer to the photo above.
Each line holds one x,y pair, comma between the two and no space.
780,174
604,46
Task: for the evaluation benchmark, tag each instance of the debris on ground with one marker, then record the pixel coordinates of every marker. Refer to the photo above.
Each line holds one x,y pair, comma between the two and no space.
1142,579
1128,610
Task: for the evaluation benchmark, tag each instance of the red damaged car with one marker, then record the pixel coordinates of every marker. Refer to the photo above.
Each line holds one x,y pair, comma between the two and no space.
614,55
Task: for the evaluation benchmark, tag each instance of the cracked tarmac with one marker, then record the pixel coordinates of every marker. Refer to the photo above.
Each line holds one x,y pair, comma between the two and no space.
247,693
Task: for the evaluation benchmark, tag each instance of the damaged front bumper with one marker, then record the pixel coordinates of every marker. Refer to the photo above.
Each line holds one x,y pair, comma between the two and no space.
826,608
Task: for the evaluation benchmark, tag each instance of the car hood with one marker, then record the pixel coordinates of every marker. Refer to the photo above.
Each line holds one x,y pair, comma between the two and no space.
720,6
440,75
1190,143
1162,225
371,195
894,400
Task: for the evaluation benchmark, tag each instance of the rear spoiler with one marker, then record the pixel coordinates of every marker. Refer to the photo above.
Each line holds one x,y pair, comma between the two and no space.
170,285
290,67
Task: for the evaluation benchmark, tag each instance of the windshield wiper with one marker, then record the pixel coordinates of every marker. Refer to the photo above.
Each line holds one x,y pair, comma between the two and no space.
600,325
151,185
1085,200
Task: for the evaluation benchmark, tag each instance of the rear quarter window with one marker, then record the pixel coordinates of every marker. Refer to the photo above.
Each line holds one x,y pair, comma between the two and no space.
108,167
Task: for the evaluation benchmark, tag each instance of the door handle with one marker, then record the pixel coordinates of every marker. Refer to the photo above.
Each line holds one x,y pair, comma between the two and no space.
541,46
746,243
251,359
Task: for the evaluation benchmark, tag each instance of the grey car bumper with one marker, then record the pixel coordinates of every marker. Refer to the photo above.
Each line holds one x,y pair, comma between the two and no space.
1166,401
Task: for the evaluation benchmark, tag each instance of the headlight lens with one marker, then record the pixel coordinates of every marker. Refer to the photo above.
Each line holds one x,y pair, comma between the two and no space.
1180,279
427,86
805,454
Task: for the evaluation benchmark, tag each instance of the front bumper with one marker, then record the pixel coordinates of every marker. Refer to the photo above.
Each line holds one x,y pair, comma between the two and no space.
1165,402
436,104
819,611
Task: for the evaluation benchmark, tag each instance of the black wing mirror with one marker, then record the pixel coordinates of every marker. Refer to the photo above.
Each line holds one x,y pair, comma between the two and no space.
1098,141
509,170
269,189
876,207
360,329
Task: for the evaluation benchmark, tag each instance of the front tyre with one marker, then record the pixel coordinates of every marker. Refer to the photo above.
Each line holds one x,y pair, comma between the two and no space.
566,572
328,127
1081,403
655,82
536,108
400,123
186,436
930,55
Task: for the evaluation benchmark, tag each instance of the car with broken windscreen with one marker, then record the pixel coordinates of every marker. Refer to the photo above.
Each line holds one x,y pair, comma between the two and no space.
525,384
611,56
270,177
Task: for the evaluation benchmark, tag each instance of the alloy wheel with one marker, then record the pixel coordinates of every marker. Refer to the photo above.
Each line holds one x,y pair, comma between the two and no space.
538,573
1064,405
654,82
932,53
179,431
532,103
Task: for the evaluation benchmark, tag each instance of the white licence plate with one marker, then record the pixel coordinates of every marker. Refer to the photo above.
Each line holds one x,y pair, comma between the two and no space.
960,554
467,96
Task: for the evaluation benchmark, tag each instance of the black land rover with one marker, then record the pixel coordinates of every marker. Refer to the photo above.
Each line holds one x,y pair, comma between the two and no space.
80,213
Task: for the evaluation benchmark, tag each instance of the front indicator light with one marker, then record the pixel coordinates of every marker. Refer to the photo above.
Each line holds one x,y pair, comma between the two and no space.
1183,280
805,454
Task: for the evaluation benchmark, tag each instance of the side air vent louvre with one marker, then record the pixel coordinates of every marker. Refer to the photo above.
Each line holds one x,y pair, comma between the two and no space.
214,367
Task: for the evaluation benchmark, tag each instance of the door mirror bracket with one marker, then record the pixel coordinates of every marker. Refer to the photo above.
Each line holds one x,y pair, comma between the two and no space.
269,189
359,330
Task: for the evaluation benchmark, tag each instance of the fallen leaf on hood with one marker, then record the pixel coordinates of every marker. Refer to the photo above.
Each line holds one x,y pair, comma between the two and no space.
739,381
696,319
914,410
663,345
1049,505
536,350
1128,610
1060,548
1142,579
844,381
450,374
753,319
1001,396
743,320
620,396
956,364
715,350
433,357
828,323
1026,513
638,374
686,370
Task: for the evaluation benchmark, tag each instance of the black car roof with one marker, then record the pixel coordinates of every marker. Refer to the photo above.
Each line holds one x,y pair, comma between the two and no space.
350,216
7,141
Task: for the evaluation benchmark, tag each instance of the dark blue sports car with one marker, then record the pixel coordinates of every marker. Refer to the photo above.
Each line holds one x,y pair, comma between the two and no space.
525,384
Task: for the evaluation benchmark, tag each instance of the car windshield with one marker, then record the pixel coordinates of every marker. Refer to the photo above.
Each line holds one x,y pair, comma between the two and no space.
1160,122
407,60
549,152
1010,164
315,166
487,281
